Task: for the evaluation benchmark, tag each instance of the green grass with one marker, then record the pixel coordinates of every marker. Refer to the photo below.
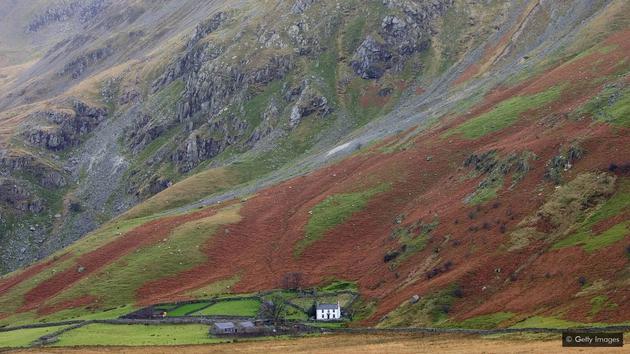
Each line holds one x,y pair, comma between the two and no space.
431,311
504,114
326,68
333,211
287,149
414,238
584,236
546,322
611,106
340,285
186,309
486,192
600,302
135,335
186,191
354,34
327,324
489,321
24,337
245,308
256,106
216,288
294,314
118,283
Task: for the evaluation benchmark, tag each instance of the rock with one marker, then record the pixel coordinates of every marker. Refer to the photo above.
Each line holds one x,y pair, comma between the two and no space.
310,102
299,6
82,10
371,59
23,162
68,127
414,299
401,36
20,197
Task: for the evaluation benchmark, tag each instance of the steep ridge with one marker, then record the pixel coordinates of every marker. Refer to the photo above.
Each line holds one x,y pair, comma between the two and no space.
498,193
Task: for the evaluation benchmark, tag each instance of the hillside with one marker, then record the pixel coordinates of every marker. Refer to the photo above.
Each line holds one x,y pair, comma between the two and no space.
475,154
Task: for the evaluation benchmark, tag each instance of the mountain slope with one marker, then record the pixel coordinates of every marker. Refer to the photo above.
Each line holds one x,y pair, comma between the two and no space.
483,166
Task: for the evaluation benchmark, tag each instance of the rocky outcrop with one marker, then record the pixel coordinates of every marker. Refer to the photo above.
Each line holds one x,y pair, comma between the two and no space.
216,84
270,120
195,54
69,126
209,141
19,161
77,66
299,6
205,28
309,102
371,59
400,36
82,10
19,197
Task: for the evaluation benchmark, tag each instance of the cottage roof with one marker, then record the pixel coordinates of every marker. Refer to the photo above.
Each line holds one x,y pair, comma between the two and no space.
246,324
328,306
224,325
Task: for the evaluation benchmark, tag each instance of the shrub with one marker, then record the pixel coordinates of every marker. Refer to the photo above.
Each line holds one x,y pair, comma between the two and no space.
582,280
76,207
390,256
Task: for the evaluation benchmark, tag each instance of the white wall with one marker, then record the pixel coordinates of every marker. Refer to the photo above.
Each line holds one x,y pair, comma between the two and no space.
325,315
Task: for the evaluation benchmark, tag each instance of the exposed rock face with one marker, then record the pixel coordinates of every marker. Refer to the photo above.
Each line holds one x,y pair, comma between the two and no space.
208,141
19,197
45,174
308,103
68,128
371,59
82,10
79,65
301,5
402,36
195,54
216,84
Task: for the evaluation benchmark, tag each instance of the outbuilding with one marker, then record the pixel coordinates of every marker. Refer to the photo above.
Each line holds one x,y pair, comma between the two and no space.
224,328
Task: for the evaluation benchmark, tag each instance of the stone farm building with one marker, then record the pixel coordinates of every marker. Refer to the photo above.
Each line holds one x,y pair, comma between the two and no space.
230,328
328,312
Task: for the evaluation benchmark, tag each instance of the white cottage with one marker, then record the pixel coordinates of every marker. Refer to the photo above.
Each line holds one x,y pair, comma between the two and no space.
328,312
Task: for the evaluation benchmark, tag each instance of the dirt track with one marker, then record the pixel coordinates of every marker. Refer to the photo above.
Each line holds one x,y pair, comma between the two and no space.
360,344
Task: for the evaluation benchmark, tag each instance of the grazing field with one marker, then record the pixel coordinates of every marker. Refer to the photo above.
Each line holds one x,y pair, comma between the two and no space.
186,309
133,335
246,308
24,337
362,344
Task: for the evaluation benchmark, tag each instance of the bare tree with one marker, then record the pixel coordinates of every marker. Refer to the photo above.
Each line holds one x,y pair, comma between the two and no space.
274,309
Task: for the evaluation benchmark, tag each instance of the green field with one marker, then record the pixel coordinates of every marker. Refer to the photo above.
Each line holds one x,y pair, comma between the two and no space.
186,309
133,335
24,337
333,211
504,114
585,237
245,308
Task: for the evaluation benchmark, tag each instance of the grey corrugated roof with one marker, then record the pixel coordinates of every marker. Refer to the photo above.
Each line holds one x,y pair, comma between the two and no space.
246,324
327,306
224,325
